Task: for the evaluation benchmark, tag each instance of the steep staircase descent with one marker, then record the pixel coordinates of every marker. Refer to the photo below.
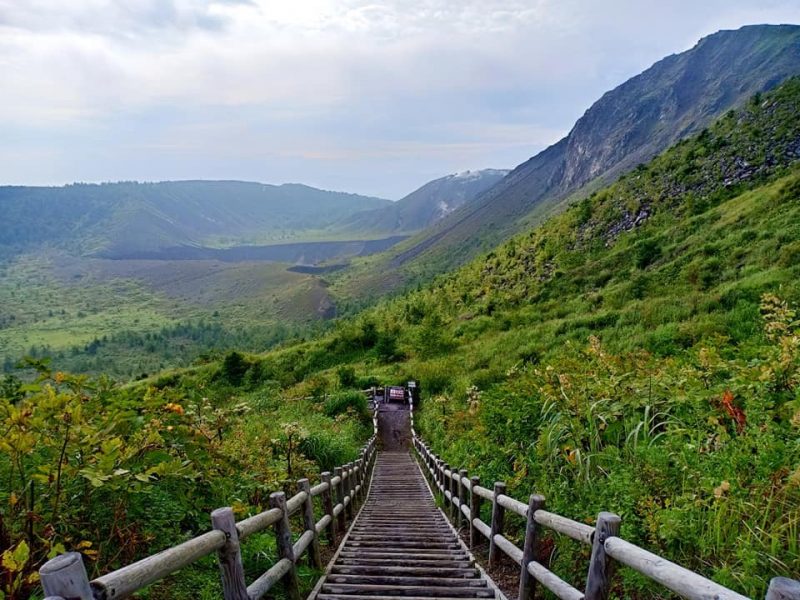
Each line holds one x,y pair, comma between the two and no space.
401,545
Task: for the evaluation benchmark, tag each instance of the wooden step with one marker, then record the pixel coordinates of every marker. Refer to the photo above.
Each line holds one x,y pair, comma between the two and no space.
405,562
425,571
394,553
406,590
378,543
406,580
389,597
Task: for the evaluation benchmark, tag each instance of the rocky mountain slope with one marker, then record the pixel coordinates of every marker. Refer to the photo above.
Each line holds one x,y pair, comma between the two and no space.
425,206
674,98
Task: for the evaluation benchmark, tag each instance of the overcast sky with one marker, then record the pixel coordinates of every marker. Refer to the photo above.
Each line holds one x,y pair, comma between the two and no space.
367,96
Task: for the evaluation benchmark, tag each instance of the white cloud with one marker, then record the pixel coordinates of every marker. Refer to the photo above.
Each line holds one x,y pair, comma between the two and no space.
307,80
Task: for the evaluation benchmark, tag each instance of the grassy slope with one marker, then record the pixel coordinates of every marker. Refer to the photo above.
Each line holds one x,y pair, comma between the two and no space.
618,358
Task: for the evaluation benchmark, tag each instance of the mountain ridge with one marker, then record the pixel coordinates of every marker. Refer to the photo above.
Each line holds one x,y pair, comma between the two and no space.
427,204
720,72
132,216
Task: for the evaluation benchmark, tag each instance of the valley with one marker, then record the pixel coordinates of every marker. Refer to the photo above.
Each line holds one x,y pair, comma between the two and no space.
129,317
153,276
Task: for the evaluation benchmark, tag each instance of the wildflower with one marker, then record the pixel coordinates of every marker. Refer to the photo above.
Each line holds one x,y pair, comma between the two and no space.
736,413
174,408
722,489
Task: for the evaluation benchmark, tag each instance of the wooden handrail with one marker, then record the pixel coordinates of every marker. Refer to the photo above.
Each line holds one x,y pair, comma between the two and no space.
341,495
65,576
607,547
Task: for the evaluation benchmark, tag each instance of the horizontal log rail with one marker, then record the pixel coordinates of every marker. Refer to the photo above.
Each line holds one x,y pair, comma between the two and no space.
463,496
64,577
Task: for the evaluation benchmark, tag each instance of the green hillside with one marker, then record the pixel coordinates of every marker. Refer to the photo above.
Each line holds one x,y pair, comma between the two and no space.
117,219
639,353
118,473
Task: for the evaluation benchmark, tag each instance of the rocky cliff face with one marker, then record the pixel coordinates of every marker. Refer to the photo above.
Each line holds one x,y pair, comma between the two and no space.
677,96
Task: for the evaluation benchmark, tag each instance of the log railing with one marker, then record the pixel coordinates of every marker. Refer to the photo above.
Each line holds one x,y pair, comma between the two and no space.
65,578
463,496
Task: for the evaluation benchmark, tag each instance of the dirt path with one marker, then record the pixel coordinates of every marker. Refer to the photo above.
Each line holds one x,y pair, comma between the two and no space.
394,427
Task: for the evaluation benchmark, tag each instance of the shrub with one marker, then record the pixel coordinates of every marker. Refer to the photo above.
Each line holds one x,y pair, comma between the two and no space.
328,450
368,382
347,376
234,366
340,403
789,255
435,377
647,252
386,348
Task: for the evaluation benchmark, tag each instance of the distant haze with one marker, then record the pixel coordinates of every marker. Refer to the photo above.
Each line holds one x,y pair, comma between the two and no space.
368,97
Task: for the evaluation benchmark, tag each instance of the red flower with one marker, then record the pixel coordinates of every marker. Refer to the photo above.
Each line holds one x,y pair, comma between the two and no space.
735,413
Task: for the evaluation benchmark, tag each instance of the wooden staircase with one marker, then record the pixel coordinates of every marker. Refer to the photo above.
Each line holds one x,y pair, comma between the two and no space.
401,545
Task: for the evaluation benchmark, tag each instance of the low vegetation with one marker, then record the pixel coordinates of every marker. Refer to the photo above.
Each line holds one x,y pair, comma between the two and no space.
129,320
121,472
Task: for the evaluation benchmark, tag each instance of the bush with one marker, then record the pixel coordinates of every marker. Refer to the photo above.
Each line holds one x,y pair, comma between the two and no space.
367,382
647,252
347,377
340,403
234,366
386,348
326,449
435,377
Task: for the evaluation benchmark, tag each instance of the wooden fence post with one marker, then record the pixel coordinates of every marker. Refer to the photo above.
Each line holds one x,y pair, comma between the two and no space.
65,576
327,506
448,487
783,588
527,584
498,518
474,512
356,481
340,500
454,496
431,470
362,480
234,586
601,567
283,536
310,524
463,495
349,489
